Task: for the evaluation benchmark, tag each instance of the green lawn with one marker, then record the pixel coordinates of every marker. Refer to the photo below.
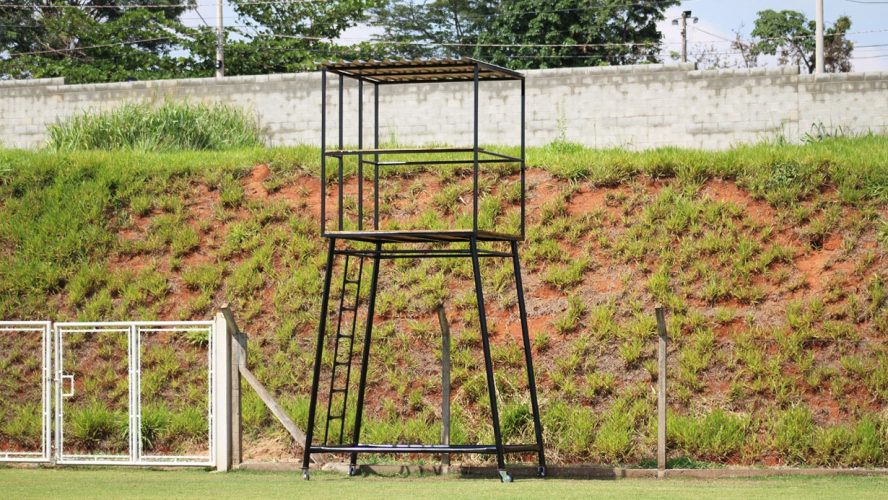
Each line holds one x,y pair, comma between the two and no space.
123,483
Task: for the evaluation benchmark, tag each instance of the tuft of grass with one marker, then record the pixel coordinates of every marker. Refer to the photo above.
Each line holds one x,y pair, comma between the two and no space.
24,427
155,422
793,433
564,276
715,436
168,127
94,426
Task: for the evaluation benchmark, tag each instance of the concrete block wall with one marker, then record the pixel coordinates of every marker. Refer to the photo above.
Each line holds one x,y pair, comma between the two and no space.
635,107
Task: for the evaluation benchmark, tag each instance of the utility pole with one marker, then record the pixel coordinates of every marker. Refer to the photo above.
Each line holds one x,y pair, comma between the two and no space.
220,40
683,21
818,33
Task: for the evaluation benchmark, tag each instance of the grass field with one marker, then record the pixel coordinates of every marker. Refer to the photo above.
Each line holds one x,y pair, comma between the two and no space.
82,483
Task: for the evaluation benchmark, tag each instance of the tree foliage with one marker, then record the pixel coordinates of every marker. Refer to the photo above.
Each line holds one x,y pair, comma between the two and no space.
97,40
789,35
526,33
287,37
114,40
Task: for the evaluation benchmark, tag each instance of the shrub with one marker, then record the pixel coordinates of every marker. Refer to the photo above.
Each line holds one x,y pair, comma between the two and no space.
170,126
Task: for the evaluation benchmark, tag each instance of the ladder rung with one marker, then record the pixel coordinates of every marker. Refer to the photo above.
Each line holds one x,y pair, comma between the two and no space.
339,390
334,417
353,282
342,363
341,336
349,309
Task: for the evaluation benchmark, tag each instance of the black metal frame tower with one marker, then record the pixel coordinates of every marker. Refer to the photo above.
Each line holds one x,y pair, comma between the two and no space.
433,244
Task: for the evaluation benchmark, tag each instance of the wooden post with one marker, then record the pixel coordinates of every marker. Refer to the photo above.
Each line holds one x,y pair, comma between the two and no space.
238,341
445,383
661,393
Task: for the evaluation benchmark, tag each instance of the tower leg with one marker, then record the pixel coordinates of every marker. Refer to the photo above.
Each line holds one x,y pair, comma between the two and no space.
319,352
488,365
528,361
365,356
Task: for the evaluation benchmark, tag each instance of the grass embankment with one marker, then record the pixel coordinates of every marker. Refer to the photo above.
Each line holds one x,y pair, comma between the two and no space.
197,484
771,260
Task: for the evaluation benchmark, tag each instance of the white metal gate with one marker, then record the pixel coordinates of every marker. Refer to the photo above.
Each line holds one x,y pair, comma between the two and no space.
114,431
16,411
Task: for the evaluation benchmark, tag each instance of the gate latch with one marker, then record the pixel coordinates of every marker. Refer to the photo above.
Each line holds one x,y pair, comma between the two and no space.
67,394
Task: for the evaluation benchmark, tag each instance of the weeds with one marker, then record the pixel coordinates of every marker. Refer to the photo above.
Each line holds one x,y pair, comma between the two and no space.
171,126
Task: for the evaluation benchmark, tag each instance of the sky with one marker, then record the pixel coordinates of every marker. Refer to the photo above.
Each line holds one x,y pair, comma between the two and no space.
718,19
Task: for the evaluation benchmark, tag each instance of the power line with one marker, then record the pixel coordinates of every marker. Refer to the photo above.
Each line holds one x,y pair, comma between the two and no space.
74,49
153,5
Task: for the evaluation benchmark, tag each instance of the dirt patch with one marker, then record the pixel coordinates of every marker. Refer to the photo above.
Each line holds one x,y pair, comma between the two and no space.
275,449
253,186
728,192
815,265
587,200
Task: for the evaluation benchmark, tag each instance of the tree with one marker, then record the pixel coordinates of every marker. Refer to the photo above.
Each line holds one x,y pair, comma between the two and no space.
789,35
526,33
113,40
286,37
96,40
432,28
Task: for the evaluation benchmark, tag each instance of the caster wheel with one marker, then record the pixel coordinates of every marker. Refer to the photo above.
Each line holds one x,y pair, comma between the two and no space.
505,477
305,475
541,471
352,470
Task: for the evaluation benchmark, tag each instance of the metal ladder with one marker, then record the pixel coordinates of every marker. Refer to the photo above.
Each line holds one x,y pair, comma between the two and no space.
342,355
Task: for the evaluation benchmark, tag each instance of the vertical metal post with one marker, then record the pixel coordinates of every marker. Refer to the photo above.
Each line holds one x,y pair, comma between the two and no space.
488,362
376,156
818,35
528,361
684,37
47,391
135,428
341,125
360,155
319,352
365,357
220,41
60,410
445,382
661,392
475,155
323,149
522,159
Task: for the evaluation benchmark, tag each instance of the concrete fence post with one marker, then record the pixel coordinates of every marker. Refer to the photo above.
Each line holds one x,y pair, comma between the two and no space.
222,393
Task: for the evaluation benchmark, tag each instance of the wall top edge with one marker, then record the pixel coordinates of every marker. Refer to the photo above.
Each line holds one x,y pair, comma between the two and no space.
626,69
841,77
34,82
777,71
